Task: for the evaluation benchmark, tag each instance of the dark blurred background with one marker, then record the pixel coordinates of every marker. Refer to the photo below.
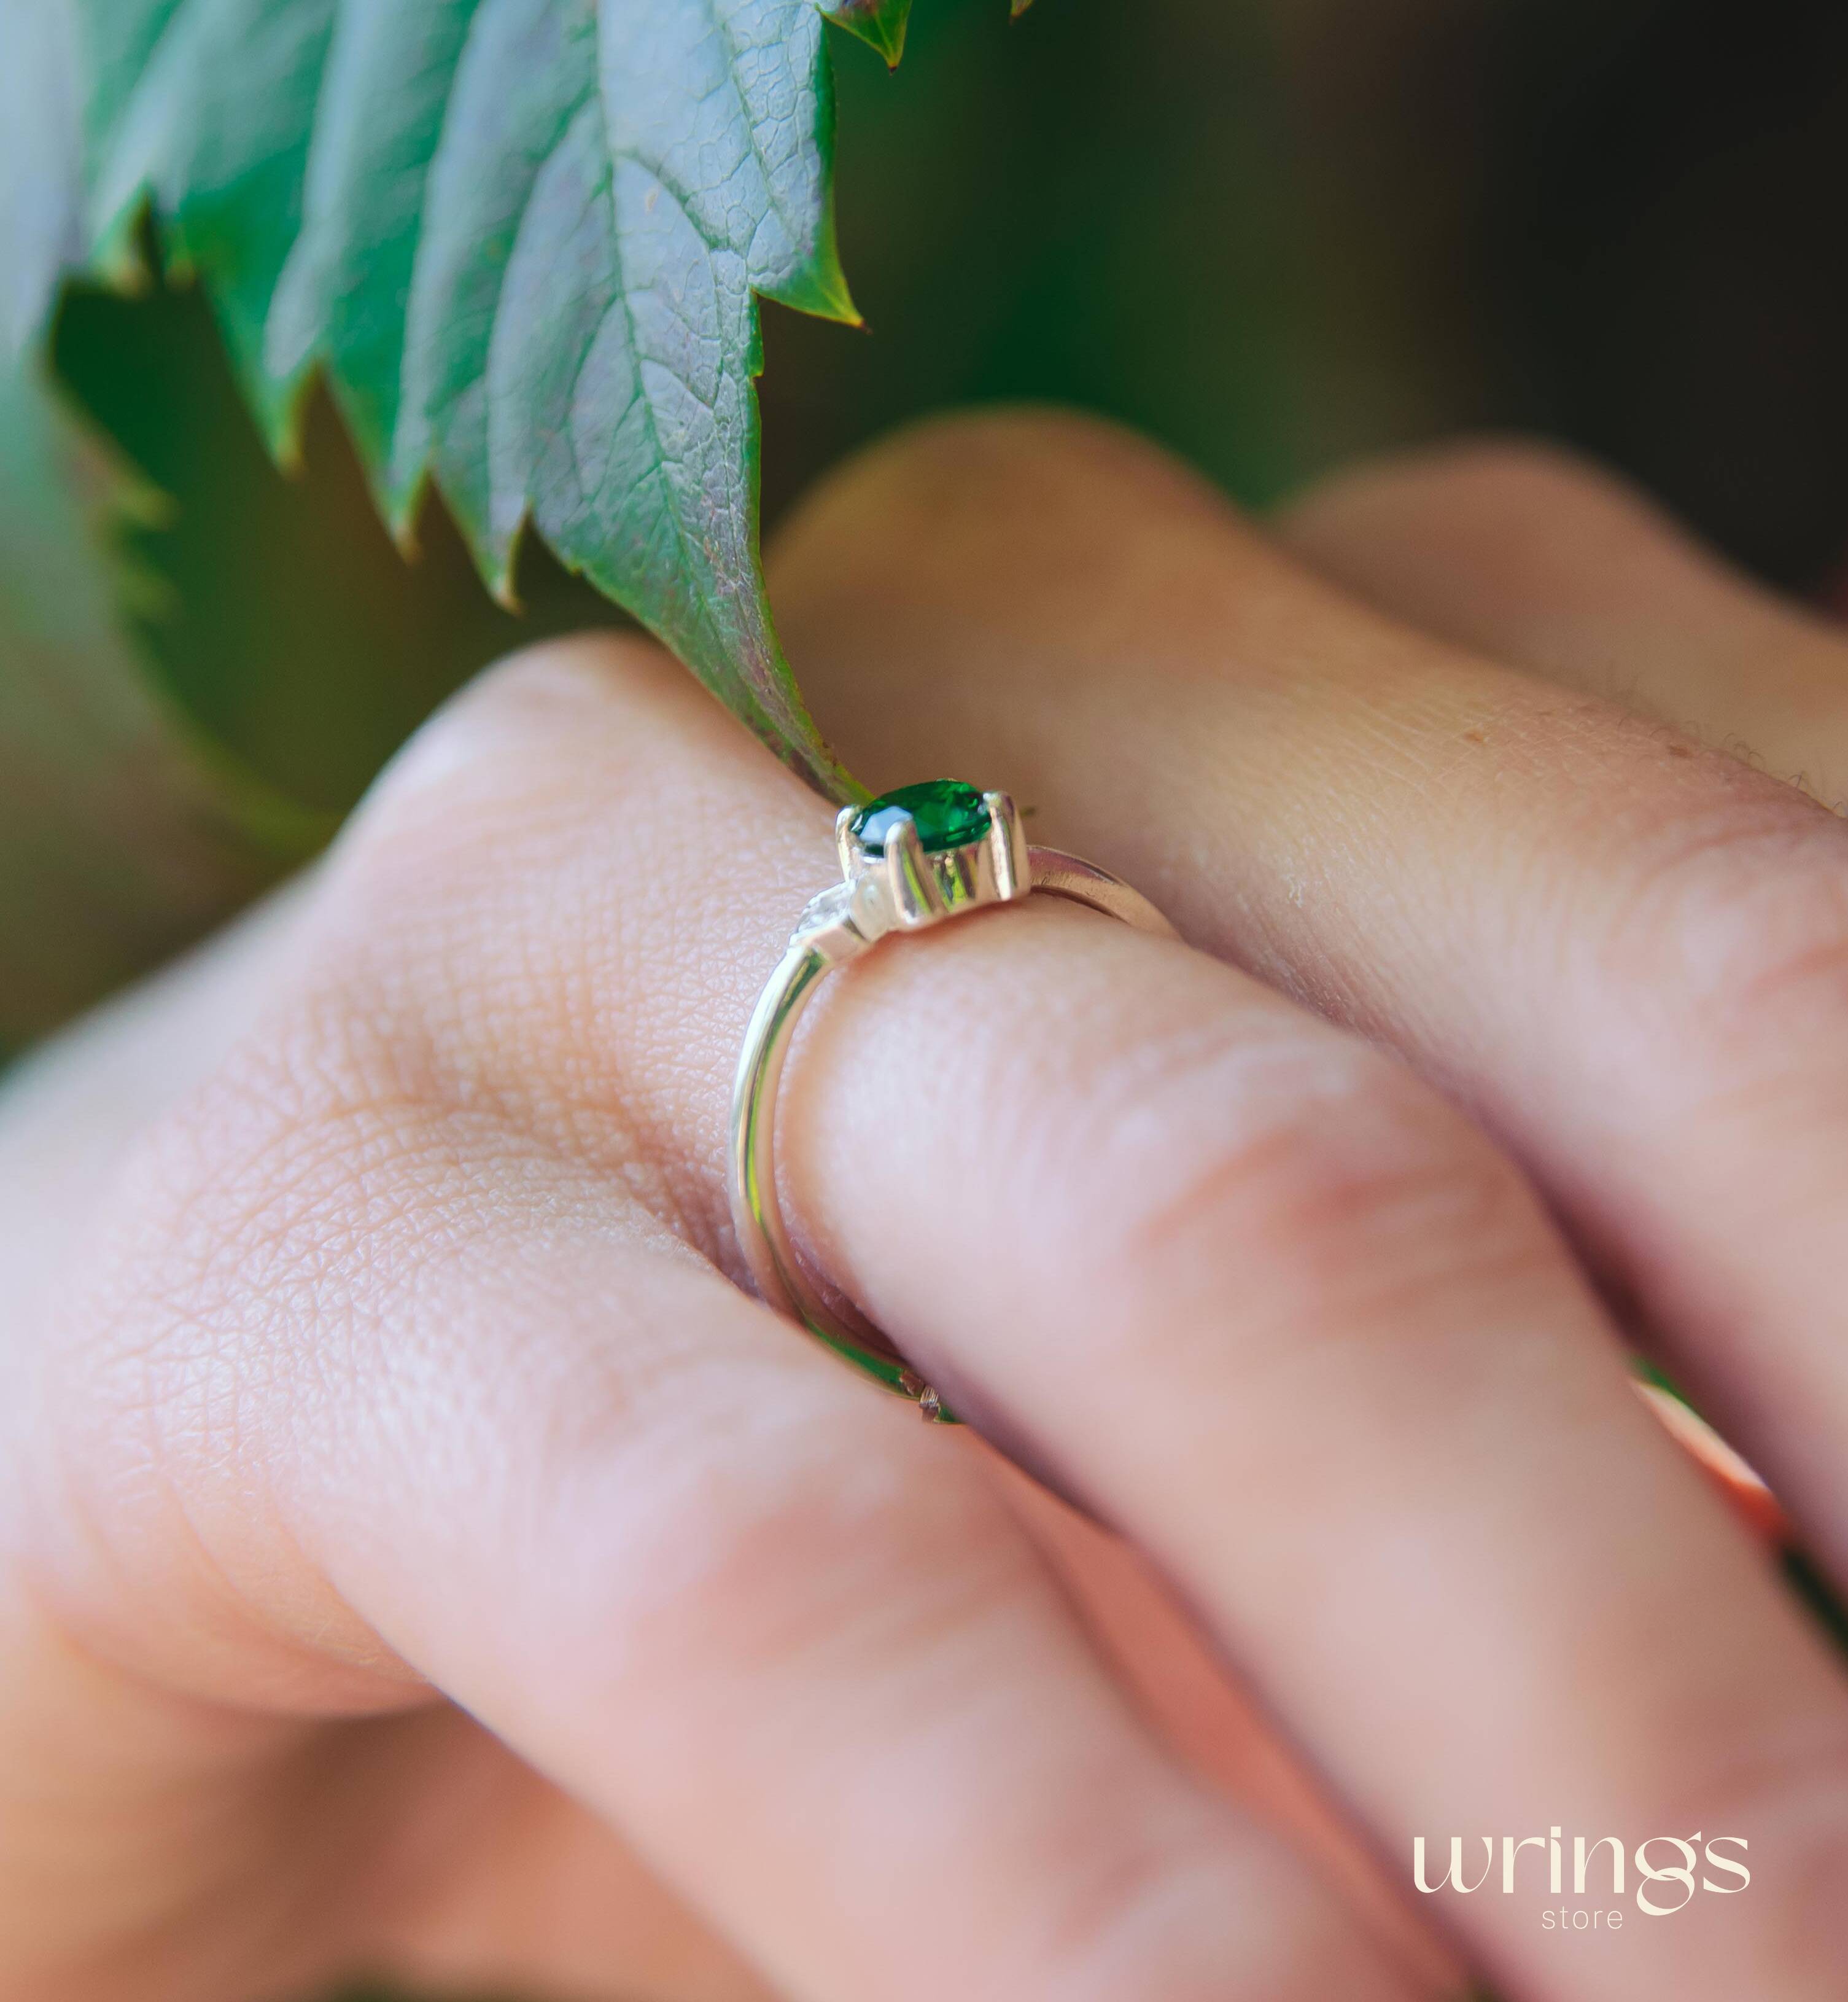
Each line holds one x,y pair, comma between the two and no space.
1278,232
1274,233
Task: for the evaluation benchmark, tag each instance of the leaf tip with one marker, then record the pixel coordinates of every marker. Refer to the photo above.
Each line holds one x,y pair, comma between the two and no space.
499,562
880,24
121,247
403,508
821,289
281,406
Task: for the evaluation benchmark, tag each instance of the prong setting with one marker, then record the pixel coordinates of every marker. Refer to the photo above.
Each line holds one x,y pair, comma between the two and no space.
844,845
917,897
1007,848
904,885
908,860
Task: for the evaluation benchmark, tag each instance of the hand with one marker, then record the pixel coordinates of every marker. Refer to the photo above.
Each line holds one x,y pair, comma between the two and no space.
1434,766
371,1342
400,1499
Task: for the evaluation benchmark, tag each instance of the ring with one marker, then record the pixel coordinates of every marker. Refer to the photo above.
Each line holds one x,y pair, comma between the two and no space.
909,859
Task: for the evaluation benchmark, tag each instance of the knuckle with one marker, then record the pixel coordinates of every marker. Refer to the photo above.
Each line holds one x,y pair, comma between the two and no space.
759,1537
1304,1172
766,1518
466,926
1122,1891
483,774
485,938
1737,931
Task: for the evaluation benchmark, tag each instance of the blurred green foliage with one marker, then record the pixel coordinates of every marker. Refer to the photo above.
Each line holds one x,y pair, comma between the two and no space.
1278,233
1093,205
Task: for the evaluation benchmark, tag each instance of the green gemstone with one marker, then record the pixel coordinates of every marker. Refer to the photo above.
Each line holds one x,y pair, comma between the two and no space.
948,814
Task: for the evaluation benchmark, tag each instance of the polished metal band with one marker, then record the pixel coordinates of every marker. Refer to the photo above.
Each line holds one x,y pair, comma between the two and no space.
901,887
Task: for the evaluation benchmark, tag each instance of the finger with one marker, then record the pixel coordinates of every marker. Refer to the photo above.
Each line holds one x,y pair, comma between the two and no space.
154,1846
1625,955
1530,555
1312,1345
1214,1721
1262,1299
538,1896
1526,553
70,1107
444,1399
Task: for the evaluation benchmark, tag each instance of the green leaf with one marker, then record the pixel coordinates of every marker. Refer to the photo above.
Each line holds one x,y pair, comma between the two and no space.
524,240
40,160
122,834
879,23
289,628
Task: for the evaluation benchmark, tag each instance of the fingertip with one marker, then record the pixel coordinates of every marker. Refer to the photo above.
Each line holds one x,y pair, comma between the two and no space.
1518,548
1505,472
1030,474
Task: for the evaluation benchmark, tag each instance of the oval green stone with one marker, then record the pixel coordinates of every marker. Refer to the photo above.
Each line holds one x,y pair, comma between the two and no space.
949,814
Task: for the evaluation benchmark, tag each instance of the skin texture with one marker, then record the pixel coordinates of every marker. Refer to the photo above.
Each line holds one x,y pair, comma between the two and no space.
419,1554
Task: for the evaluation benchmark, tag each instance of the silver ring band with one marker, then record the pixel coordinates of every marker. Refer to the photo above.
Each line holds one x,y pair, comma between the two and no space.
909,861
